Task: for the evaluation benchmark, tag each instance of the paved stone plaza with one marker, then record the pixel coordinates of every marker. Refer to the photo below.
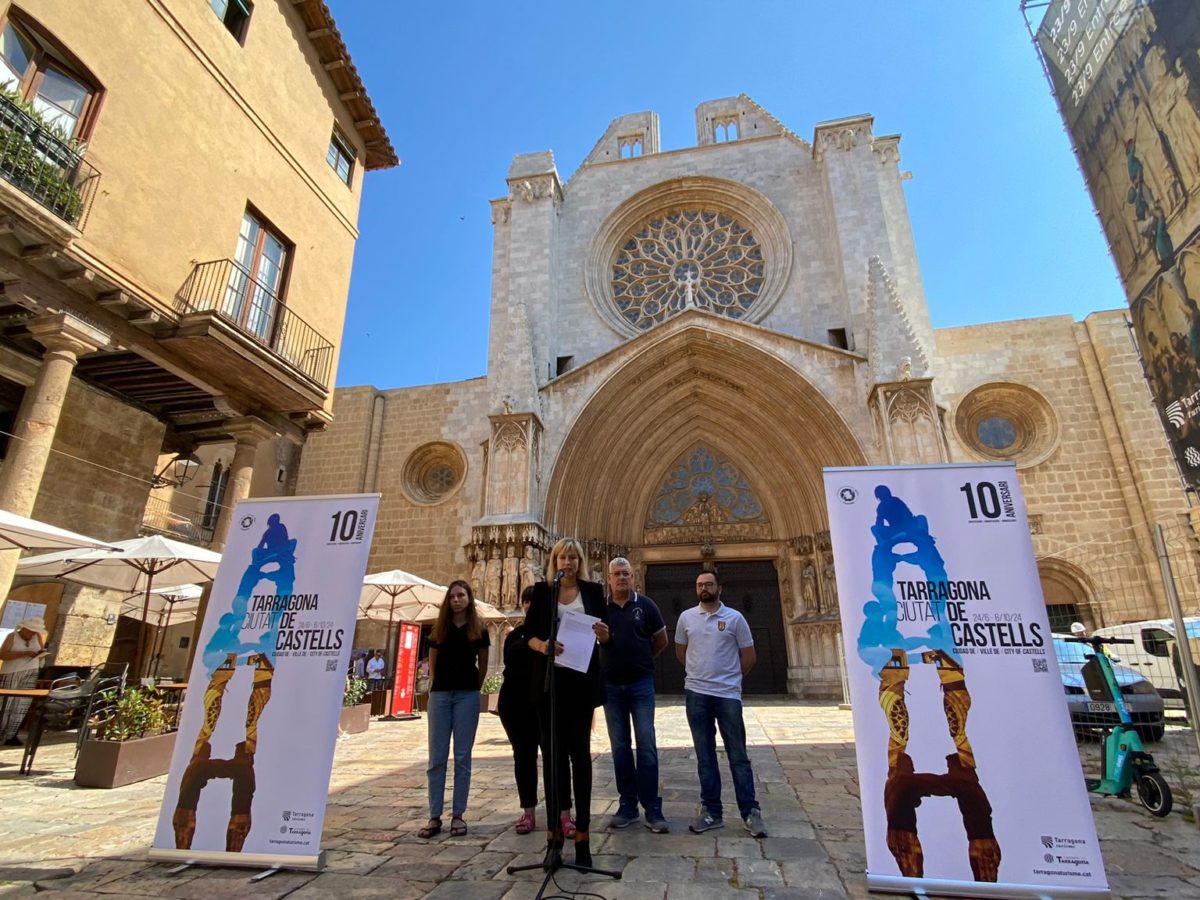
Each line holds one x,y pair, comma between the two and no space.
79,842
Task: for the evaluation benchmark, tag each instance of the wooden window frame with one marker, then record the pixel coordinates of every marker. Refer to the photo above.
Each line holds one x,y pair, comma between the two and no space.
68,65
339,141
244,27
266,226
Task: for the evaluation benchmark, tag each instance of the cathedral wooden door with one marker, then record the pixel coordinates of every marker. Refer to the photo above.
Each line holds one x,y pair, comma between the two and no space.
752,588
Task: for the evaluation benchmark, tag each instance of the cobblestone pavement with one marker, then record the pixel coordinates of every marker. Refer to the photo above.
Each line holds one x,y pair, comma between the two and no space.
85,843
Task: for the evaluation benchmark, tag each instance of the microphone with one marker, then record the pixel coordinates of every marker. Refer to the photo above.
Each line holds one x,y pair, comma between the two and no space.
559,575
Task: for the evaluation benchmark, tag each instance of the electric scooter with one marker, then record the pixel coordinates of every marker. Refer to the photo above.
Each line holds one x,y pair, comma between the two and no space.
1123,761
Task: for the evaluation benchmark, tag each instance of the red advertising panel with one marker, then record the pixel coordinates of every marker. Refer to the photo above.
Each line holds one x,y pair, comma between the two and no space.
407,643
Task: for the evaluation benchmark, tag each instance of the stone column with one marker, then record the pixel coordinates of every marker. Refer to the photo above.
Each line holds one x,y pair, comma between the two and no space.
65,338
247,434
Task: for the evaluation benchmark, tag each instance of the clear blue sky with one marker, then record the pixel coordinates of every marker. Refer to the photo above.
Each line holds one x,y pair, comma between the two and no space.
1003,225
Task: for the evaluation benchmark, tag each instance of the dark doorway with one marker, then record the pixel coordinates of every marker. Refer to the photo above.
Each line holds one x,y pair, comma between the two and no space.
752,588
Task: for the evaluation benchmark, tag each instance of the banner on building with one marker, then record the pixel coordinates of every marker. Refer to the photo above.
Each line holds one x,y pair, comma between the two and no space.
1126,74
969,775
250,773
408,642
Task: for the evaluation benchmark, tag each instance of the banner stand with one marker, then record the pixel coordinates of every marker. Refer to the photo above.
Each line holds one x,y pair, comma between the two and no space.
265,861
939,887
249,780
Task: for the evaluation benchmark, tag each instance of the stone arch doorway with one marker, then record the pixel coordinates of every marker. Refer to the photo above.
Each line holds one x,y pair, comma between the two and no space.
706,388
1067,592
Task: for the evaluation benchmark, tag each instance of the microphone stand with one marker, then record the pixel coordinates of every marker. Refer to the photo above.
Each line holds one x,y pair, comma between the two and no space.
553,860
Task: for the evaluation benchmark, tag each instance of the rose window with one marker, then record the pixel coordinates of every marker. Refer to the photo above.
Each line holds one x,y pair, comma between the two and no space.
683,259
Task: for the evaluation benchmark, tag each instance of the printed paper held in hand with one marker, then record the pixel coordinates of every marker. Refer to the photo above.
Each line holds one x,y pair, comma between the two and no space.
576,635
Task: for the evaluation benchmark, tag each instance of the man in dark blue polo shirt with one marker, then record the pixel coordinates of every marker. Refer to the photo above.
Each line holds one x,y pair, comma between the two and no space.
634,634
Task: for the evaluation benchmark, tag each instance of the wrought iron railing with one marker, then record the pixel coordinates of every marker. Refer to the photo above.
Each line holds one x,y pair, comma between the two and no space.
161,517
44,167
223,286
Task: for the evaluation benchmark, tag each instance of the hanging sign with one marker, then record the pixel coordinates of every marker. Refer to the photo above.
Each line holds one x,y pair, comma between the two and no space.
968,770
250,773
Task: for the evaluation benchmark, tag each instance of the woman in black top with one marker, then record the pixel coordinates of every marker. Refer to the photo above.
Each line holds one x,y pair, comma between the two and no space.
458,659
576,694
519,719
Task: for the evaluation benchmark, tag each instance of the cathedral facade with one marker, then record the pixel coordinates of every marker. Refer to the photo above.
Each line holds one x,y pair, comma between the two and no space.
682,340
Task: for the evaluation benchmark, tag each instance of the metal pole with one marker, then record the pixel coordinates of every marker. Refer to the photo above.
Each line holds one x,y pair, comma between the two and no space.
1181,636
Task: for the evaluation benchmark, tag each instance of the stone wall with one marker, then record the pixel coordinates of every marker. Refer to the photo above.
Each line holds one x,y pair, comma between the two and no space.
373,436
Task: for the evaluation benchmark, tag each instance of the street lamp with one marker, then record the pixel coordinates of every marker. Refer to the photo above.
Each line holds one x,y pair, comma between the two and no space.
183,469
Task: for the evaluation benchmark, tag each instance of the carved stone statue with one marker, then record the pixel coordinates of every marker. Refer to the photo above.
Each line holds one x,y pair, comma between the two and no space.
512,577
491,590
830,586
531,571
479,570
808,590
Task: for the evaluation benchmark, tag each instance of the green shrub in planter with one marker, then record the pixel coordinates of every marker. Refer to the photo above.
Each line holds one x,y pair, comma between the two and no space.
136,713
491,684
356,689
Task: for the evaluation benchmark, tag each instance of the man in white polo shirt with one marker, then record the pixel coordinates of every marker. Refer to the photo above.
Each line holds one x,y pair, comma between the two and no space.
714,645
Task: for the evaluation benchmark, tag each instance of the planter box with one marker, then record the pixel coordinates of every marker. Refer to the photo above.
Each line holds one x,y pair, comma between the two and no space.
355,719
489,703
109,764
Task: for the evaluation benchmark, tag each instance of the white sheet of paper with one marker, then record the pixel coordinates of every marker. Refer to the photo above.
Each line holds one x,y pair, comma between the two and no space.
576,635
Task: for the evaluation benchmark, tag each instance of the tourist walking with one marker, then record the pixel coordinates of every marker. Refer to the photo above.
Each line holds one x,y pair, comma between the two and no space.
20,659
633,635
714,644
458,658
577,694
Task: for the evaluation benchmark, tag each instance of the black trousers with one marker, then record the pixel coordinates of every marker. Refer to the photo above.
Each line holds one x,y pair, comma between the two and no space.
521,726
573,727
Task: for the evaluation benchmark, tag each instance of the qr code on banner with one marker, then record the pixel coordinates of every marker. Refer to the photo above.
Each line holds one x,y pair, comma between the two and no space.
331,665
1040,664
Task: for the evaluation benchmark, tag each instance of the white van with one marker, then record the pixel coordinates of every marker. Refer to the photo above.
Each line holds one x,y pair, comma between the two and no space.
1152,652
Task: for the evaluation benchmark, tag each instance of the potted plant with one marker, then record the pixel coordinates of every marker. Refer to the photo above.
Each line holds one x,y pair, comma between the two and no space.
132,740
356,715
489,694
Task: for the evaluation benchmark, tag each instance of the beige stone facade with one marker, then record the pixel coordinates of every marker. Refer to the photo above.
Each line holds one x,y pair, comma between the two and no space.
179,194
682,340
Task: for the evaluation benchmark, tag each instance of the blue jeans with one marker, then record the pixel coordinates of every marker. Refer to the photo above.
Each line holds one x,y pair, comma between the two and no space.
635,780
702,712
451,713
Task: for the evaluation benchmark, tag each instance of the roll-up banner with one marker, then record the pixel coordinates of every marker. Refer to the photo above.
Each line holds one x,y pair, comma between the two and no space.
250,773
969,775
404,688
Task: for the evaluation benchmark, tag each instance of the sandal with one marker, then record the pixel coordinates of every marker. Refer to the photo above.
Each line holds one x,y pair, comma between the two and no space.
526,823
568,825
457,827
433,828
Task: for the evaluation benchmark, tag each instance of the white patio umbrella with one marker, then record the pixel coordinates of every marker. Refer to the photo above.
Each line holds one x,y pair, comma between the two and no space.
387,594
429,612
167,607
138,565
30,534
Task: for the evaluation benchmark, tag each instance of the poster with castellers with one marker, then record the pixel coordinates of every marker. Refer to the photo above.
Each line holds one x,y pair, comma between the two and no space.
250,772
969,776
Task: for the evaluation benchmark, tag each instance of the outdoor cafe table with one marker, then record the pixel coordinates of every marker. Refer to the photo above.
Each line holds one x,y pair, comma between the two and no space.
35,694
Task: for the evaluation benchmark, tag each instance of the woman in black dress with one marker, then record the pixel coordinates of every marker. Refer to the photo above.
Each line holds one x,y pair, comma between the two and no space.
577,694
519,718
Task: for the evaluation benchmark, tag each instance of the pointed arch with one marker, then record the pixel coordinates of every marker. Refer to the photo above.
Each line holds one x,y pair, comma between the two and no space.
698,386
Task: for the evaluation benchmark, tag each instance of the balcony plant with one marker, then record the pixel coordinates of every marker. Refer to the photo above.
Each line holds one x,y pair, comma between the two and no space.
37,157
356,715
132,739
